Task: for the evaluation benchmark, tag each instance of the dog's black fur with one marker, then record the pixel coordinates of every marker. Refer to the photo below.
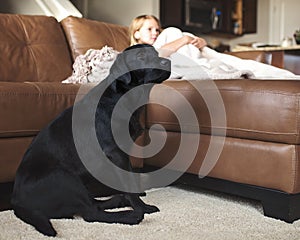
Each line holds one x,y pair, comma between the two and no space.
52,182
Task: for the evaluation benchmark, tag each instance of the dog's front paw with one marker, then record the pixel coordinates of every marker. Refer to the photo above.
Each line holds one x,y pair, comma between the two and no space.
143,194
150,209
133,218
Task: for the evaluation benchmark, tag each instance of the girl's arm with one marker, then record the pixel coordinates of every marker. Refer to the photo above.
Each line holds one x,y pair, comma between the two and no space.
171,47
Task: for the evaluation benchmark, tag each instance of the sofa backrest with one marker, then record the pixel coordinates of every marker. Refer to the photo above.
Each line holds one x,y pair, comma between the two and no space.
33,48
84,34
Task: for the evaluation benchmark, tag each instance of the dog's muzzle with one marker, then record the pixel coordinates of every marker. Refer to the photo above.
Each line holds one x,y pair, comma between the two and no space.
165,62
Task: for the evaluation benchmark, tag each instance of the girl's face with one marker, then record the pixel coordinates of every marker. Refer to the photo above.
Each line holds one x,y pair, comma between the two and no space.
148,33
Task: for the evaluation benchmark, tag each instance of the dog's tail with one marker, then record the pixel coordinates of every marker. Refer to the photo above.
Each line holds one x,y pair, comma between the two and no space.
36,219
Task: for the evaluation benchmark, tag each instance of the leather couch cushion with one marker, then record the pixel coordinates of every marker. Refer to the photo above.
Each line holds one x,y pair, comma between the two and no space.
33,48
84,34
28,107
255,109
254,162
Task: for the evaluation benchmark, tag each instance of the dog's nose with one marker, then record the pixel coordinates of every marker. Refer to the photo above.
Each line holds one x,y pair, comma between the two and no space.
164,62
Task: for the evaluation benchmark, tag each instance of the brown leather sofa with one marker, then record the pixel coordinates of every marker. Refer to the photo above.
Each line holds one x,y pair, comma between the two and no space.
254,150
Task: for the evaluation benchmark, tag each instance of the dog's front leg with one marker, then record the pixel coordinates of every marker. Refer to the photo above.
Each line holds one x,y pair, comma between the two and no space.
137,204
130,184
116,201
94,214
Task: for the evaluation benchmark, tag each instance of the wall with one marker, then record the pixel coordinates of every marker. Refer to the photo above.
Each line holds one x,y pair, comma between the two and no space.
21,7
284,19
276,18
121,11
33,7
269,13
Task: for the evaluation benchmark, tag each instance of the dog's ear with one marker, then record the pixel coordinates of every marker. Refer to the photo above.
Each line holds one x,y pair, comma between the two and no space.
122,80
120,73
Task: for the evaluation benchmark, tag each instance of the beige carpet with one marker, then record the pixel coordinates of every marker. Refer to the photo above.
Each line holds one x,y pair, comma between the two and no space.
185,214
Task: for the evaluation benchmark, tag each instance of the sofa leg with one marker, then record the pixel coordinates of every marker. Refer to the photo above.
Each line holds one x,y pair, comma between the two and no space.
5,194
285,207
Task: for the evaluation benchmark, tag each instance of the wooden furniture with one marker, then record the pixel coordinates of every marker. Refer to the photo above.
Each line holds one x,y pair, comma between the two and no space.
292,60
283,57
275,58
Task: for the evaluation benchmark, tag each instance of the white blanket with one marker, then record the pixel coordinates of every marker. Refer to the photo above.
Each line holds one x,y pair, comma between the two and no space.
259,70
94,66
215,65
190,63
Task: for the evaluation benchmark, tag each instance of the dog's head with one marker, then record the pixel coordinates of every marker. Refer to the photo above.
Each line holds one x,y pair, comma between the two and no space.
137,65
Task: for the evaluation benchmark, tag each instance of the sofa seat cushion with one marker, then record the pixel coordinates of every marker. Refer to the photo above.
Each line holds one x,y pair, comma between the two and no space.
28,107
253,162
84,34
33,48
255,109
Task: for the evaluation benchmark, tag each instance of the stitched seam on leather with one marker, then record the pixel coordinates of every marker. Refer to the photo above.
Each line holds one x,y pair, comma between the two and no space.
294,167
19,132
295,159
228,129
35,94
35,86
241,91
297,118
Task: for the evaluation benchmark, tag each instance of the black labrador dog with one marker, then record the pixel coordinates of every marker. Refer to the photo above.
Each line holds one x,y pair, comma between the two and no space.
52,181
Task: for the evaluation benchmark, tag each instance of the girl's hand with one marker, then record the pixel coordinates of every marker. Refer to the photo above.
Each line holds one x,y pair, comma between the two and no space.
171,47
198,42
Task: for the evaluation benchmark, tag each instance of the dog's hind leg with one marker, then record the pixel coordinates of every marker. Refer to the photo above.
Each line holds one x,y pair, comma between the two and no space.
36,219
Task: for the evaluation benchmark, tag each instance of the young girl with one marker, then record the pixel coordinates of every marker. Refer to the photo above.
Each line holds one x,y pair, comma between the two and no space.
199,61
147,29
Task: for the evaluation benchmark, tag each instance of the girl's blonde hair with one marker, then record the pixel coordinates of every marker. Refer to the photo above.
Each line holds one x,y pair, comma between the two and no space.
136,25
